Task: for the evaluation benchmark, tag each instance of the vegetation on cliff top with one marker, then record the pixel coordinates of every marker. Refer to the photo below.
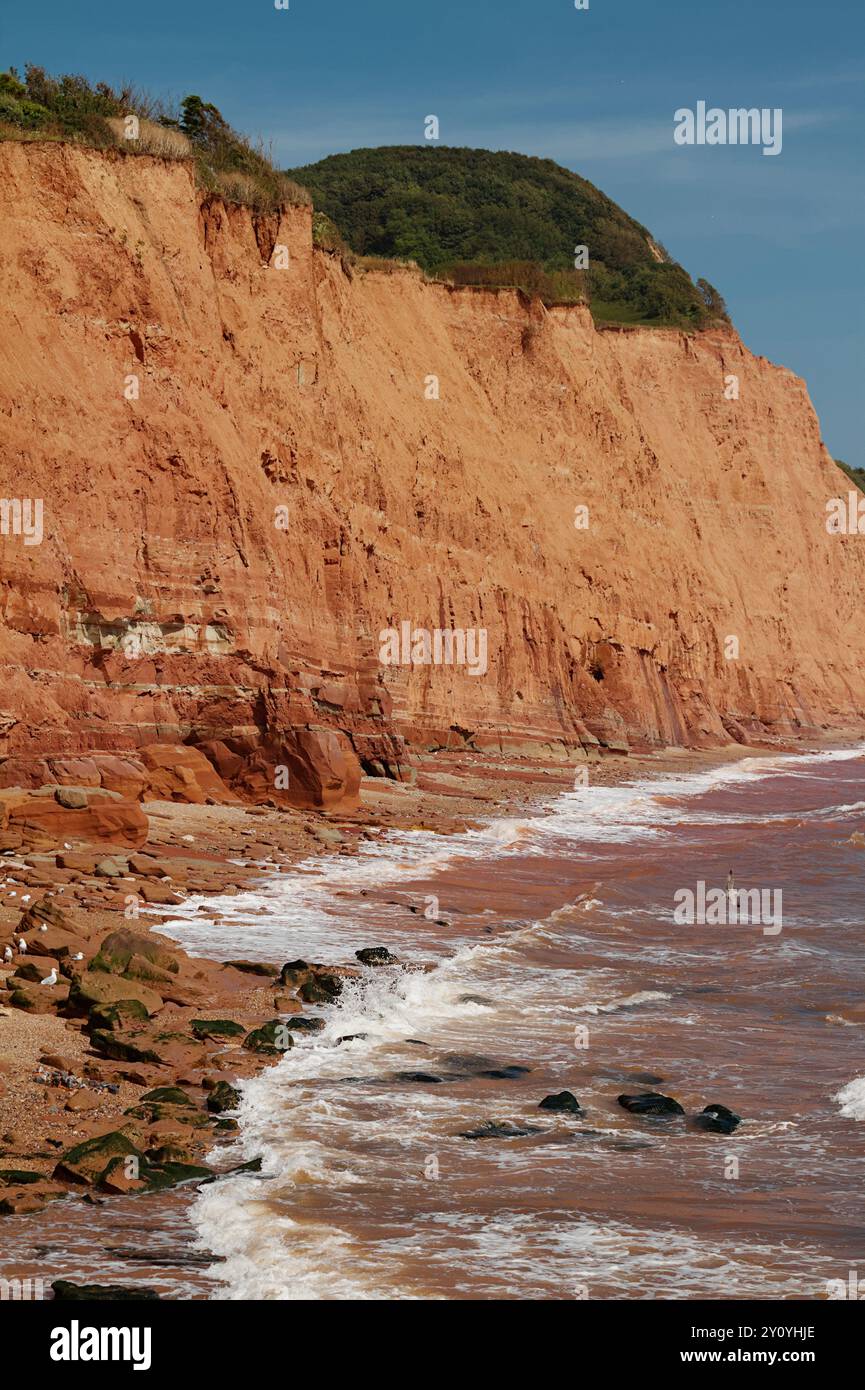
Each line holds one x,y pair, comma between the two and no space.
69,108
856,475
471,217
485,218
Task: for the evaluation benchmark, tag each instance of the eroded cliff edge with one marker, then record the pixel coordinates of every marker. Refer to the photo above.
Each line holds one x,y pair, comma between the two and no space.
166,605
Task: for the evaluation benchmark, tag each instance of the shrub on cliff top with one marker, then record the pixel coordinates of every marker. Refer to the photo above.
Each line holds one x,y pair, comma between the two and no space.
70,108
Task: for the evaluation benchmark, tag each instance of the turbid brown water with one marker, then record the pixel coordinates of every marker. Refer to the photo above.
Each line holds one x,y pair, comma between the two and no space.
551,960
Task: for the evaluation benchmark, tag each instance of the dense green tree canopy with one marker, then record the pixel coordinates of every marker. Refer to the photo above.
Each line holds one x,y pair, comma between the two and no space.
453,209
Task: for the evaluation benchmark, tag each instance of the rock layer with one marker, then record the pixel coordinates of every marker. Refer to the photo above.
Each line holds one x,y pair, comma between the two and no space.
246,477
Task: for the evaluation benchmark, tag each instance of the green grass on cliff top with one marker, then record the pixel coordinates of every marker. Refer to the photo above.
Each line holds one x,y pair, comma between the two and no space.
470,217
485,218
71,109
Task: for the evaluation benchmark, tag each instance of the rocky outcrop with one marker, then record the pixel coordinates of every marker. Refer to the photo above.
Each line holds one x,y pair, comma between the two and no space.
249,473
39,820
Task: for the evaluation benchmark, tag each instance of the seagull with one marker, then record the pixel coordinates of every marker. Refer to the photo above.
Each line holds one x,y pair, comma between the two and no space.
22,946
79,955
65,846
7,955
25,897
43,927
50,979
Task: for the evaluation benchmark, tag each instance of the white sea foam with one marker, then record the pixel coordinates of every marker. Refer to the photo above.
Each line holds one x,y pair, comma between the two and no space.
631,1001
304,1123
851,1099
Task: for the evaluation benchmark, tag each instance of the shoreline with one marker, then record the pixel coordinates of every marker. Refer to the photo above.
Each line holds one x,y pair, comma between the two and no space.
171,1134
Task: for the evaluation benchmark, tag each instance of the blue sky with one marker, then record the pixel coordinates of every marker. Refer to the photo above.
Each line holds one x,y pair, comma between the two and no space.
782,238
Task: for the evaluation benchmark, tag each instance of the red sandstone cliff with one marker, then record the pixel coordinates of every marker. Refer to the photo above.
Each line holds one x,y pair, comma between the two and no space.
166,605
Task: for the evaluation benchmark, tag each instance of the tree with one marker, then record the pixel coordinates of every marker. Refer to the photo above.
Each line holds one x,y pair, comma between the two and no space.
712,299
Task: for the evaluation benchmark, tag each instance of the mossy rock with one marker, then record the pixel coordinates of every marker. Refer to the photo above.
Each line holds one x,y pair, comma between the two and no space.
67,1292
150,1113
96,987
118,1015
299,1024
264,1039
217,1028
321,989
32,971
168,1095
156,1177
119,947
223,1097
19,1177
254,967
121,1049
29,1001
88,1162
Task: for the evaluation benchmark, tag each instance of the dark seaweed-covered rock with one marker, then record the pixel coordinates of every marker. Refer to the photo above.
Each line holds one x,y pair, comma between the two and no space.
67,1292
717,1119
299,1024
321,989
168,1095
500,1129
418,1076
87,1162
118,1015
19,1177
651,1103
271,1039
505,1073
562,1100
254,967
376,955
294,972
216,1028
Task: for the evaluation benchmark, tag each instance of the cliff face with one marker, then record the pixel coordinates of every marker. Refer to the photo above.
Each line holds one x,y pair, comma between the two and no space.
245,480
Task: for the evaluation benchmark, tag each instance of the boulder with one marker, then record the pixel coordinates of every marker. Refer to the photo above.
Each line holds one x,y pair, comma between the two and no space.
112,867
35,999
223,1097
500,1129
66,1292
152,891
563,1101
376,955
119,947
304,1025
168,1095
124,1047
44,913
176,772
86,1163
650,1103
119,1015
254,967
717,1119
32,822
323,988
73,798
271,1039
98,987
24,1201
216,1028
